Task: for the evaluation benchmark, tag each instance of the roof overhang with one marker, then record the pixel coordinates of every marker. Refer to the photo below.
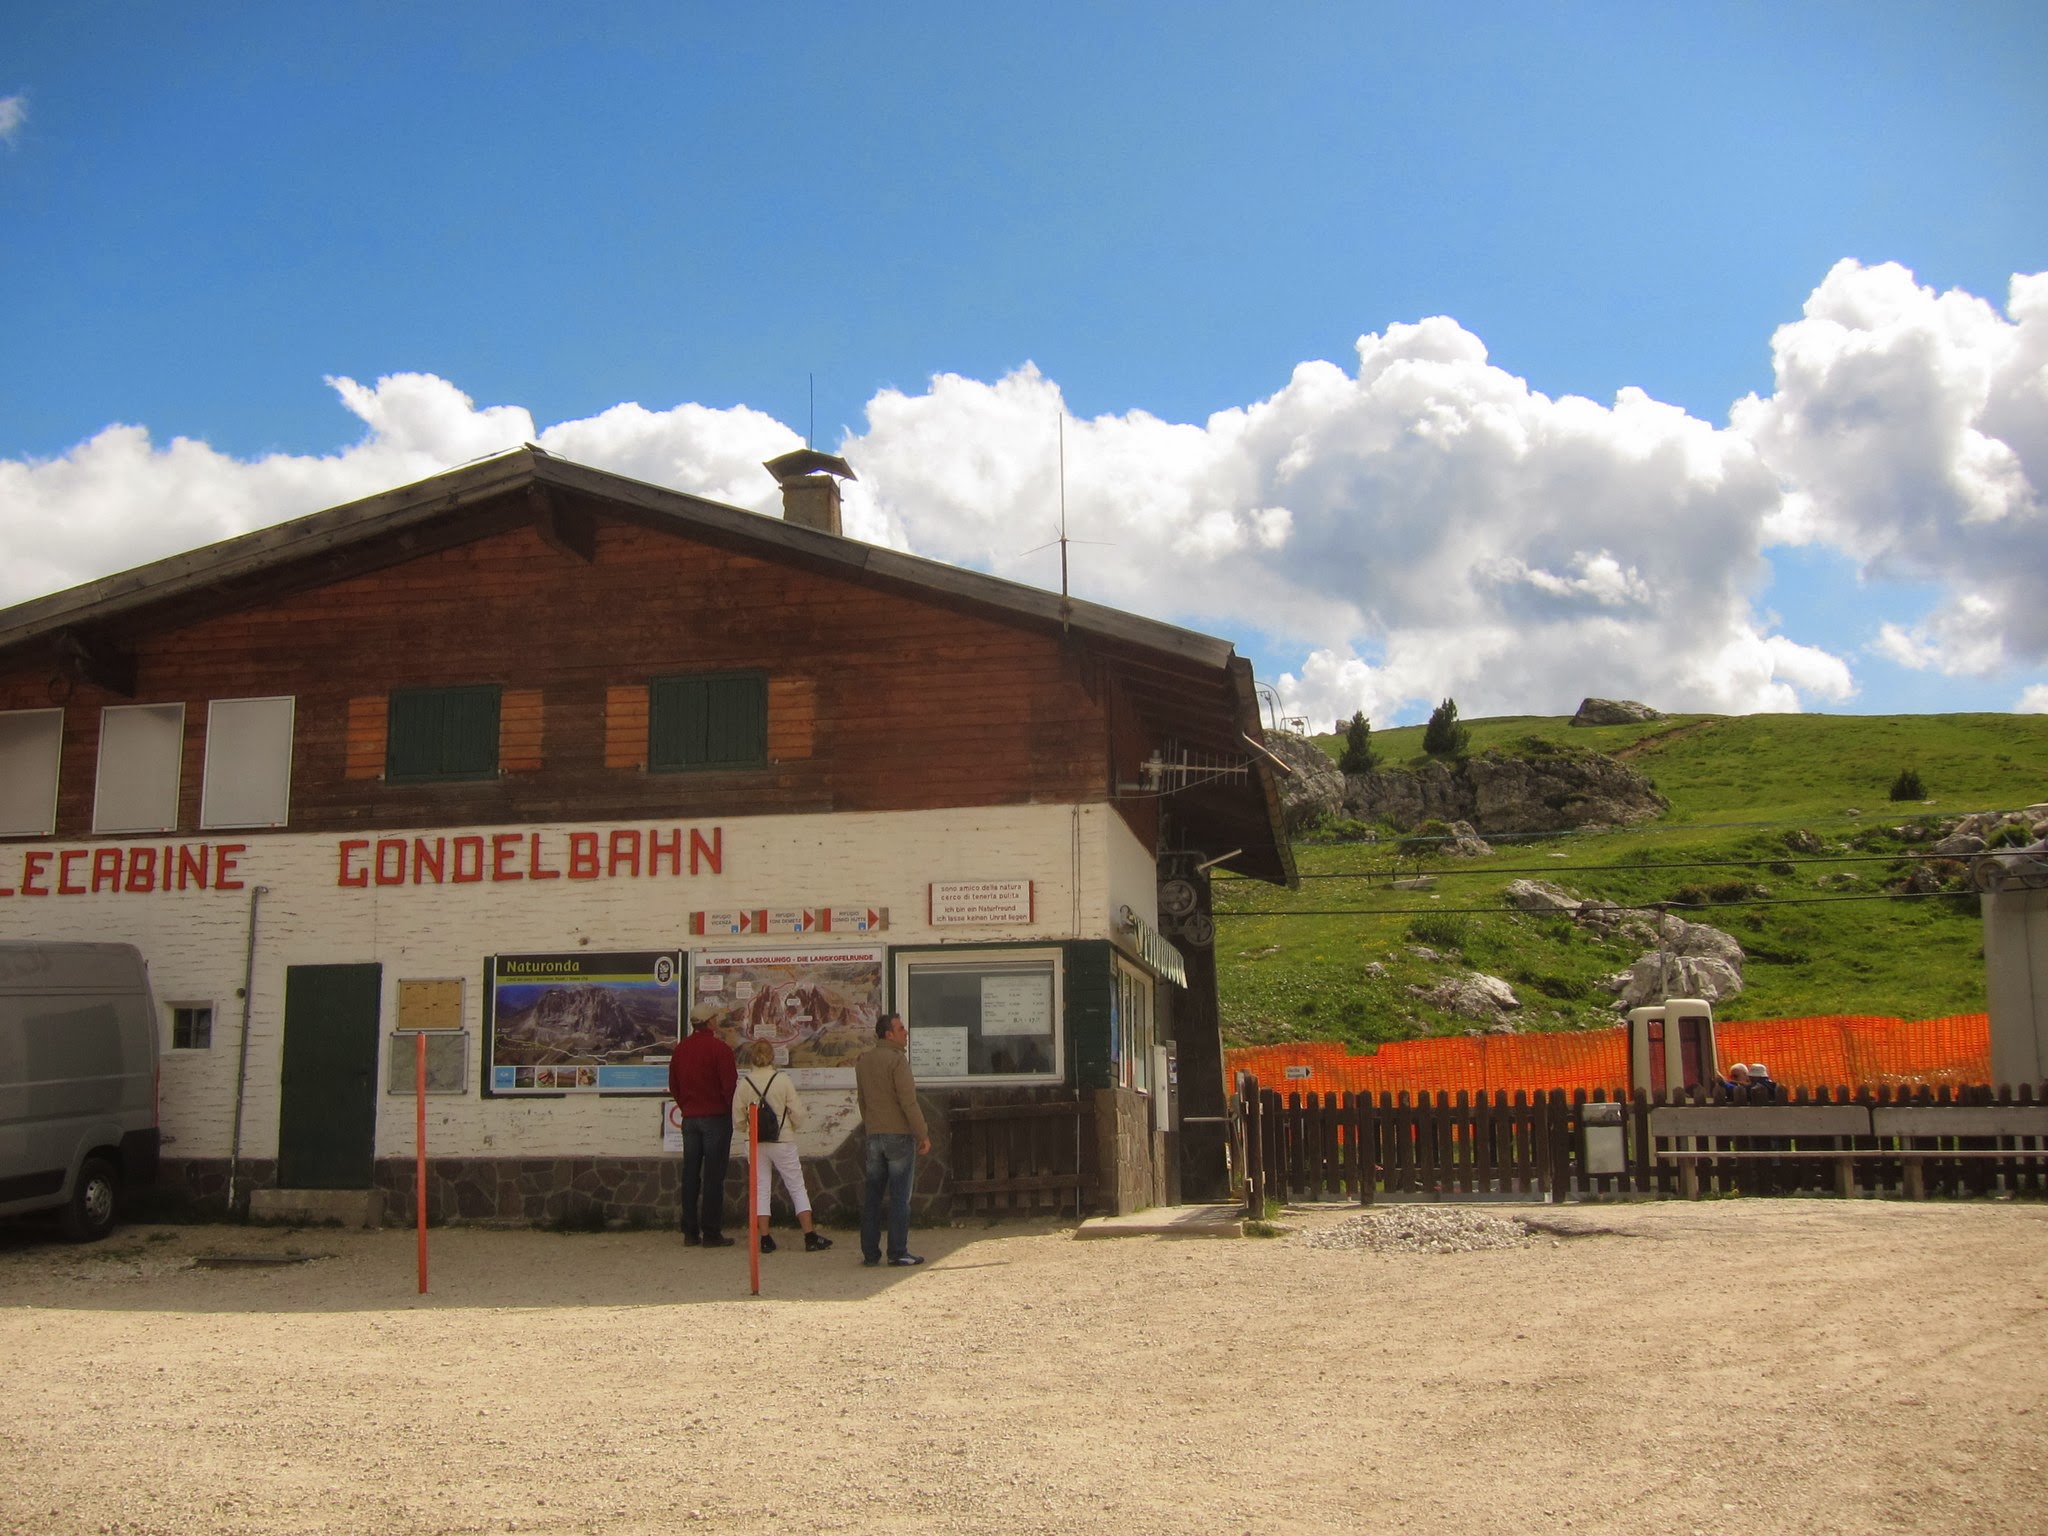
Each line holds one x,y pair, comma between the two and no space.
1189,686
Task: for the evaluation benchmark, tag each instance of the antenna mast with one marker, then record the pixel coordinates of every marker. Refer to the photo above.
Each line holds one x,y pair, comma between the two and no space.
1066,605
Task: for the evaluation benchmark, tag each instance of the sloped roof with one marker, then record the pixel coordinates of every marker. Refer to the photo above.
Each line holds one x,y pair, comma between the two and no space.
1194,687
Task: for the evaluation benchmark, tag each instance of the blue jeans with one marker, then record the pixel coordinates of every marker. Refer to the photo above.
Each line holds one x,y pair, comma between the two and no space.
707,1144
892,1164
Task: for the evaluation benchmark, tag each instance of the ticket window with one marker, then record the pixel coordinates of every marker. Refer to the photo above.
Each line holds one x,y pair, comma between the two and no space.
982,1016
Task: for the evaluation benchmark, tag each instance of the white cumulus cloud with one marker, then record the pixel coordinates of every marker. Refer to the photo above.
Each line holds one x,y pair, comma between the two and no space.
1442,528
2033,700
1910,429
1418,525
13,113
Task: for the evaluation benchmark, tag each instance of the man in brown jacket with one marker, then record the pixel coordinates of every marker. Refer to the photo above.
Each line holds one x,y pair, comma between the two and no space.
896,1134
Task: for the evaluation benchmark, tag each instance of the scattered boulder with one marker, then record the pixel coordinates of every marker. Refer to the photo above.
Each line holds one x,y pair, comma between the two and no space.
1474,996
1613,712
1681,958
1803,841
1698,940
1930,879
1622,923
1957,844
1660,974
1464,843
1541,896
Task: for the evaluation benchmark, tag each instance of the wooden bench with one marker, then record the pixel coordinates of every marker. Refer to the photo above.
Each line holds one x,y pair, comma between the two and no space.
1696,1121
1904,1120
1838,1122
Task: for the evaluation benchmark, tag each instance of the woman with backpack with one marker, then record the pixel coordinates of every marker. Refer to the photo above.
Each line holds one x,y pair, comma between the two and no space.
782,1116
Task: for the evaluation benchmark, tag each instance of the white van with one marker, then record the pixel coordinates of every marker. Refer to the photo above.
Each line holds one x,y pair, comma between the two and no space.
78,1081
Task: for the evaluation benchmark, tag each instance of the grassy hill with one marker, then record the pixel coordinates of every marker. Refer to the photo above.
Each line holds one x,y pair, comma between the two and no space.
1337,958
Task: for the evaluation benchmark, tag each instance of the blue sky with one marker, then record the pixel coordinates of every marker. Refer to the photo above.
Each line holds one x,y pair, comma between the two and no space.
204,216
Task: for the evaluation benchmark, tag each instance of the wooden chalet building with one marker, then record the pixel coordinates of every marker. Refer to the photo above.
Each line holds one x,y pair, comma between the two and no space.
532,761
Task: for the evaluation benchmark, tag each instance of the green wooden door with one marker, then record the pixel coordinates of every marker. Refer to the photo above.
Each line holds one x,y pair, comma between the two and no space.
327,1118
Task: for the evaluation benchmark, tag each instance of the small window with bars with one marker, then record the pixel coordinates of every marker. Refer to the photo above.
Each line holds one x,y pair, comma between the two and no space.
438,734
713,720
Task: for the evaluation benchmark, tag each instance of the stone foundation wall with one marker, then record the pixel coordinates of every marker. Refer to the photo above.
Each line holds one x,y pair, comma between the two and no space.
196,1189
1123,1165
1126,1171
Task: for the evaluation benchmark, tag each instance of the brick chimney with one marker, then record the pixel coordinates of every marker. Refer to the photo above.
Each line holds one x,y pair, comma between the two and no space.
810,487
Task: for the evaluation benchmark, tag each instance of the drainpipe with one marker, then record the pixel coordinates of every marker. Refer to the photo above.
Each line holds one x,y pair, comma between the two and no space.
242,1058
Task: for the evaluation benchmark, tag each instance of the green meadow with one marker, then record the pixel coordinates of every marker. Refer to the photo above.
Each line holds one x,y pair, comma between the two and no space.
1781,831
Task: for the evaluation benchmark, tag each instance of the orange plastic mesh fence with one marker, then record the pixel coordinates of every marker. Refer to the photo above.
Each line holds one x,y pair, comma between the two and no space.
1837,1050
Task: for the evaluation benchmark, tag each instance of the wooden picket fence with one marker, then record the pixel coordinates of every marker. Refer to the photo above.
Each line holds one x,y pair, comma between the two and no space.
1362,1147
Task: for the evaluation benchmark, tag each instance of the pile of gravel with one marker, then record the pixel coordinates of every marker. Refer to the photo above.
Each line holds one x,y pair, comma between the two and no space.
1421,1229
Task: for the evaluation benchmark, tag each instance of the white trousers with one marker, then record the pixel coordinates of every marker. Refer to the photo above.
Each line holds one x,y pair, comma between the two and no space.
784,1158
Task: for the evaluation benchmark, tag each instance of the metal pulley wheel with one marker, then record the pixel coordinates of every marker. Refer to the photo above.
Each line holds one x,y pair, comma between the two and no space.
1199,929
1177,898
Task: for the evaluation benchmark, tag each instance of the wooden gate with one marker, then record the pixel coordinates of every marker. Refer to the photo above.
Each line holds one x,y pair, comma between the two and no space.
1017,1155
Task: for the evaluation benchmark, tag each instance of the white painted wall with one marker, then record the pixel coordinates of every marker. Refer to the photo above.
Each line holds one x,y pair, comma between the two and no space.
1133,873
1084,860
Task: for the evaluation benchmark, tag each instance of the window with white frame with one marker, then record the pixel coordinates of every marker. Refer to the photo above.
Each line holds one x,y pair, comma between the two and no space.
31,746
248,780
988,1015
142,748
1134,1032
191,1026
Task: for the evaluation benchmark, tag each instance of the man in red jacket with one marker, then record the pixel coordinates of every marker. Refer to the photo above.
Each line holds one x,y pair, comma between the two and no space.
701,1078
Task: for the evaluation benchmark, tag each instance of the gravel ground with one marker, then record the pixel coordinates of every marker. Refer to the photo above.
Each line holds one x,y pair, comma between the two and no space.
1739,1366
1422,1229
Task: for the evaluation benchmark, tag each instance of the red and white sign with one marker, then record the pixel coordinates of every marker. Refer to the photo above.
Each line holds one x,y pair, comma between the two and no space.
965,902
788,920
853,919
729,922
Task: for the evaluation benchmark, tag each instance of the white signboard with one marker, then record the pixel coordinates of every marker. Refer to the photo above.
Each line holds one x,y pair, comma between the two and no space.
1016,1005
671,1127
938,1052
981,901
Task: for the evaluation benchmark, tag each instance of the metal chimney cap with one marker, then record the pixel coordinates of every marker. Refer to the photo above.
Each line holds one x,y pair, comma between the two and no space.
808,461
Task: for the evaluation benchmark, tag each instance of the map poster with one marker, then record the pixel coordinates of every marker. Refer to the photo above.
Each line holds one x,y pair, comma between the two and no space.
583,1023
816,1006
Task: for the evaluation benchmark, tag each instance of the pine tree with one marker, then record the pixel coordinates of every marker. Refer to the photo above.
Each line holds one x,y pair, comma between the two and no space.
1359,756
1907,786
1444,737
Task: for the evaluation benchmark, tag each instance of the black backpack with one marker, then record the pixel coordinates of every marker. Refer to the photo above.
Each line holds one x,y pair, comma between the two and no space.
769,1127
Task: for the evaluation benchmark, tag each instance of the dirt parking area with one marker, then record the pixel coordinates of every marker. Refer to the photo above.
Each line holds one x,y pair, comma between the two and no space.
1730,1366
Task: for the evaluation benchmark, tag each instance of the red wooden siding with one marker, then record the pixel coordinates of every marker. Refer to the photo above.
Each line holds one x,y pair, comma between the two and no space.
368,721
877,700
520,731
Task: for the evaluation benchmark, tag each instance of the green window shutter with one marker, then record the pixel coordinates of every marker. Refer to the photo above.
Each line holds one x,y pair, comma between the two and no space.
719,720
442,733
736,722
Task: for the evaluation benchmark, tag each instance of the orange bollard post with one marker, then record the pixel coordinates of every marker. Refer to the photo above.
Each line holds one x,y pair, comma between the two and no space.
419,1080
753,1215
